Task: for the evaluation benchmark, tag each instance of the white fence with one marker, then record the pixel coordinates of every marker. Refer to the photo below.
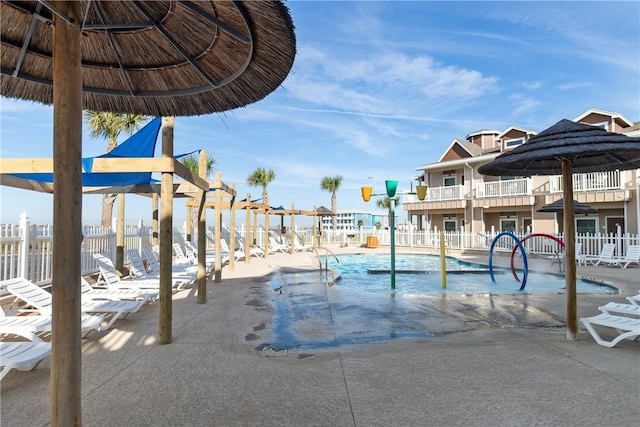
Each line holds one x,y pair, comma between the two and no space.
28,250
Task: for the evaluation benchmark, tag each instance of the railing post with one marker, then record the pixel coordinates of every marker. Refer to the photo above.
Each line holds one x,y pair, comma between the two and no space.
23,252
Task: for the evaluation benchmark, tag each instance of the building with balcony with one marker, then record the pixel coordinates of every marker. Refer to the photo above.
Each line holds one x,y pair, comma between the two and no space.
459,198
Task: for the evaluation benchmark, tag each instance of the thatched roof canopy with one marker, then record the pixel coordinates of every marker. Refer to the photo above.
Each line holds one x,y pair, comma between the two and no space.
558,206
153,57
587,148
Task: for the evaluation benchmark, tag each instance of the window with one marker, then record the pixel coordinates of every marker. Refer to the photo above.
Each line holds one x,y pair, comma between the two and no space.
586,226
508,225
450,181
450,225
509,143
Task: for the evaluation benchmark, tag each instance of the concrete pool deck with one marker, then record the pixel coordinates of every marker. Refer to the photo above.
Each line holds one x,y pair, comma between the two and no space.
488,361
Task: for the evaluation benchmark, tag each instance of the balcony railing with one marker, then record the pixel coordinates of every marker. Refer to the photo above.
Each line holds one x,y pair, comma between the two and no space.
437,194
592,181
506,188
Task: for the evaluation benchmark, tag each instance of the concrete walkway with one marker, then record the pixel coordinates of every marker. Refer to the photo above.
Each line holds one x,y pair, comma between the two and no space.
471,361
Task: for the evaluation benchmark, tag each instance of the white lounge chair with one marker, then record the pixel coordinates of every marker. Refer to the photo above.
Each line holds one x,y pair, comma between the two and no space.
191,251
275,246
632,256
179,271
28,326
627,327
620,308
581,258
91,293
238,255
256,251
42,300
109,276
299,247
634,299
140,272
606,255
23,356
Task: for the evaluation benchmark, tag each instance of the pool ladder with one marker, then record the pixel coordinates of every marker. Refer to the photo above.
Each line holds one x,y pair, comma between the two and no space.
326,265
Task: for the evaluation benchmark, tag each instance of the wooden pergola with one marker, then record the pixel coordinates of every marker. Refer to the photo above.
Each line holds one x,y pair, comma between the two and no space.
192,186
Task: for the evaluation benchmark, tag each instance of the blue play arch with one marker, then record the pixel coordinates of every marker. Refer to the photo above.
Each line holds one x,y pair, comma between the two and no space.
524,257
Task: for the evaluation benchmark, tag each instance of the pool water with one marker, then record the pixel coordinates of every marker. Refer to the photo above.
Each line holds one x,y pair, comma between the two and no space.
421,274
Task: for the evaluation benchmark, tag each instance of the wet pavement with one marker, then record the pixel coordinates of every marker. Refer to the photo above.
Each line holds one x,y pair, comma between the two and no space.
298,353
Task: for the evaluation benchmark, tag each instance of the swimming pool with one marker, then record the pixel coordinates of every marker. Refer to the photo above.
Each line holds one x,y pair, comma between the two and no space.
420,274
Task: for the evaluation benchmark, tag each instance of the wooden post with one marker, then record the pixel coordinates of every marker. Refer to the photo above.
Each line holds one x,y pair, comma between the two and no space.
120,236
154,221
247,242
165,311
217,273
315,230
255,228
266,227
202,236
66,354
188,226
232,227
293,232
570,251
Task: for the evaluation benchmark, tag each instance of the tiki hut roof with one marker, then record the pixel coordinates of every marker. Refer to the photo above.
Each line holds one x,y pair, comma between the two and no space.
558,206
154,58
587,148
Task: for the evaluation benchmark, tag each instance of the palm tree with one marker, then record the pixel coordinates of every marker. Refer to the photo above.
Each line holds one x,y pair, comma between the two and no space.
385,203
109,126
332,183
192,162
261,178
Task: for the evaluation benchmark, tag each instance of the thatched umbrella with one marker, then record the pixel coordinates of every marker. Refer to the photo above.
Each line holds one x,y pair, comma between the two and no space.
558,206
145,57
565,148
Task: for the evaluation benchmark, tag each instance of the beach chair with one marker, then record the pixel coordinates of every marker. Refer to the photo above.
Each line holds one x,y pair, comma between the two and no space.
42,300
139,271
28,326
606,256
109,276
181,256
634,299
274,246
23,356
626,327
632,256
178,270
256,252
238,255
299,247
620,308
581,258
91,293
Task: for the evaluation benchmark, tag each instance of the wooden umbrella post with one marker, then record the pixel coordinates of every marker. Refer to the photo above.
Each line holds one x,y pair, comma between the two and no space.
66,355
247,242
166,237
217,273
232,230
570,251
120,236
202,236
154,220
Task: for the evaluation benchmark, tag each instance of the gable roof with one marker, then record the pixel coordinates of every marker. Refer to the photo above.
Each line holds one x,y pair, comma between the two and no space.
604,113
469,147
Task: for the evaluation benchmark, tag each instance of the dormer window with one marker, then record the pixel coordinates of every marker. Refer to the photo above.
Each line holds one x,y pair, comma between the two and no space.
510,143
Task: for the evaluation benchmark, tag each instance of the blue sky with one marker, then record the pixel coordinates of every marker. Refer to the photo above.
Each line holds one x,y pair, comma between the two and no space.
380,88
